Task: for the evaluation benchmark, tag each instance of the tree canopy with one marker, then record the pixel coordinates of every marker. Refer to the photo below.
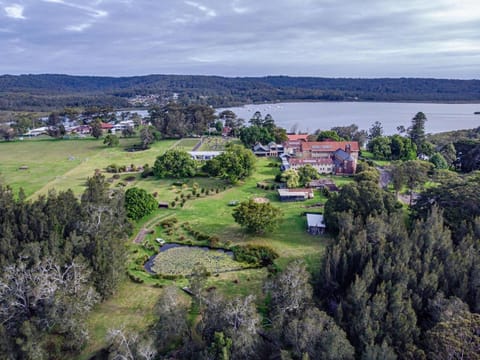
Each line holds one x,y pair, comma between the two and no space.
236,163
257,217
174,164
139,203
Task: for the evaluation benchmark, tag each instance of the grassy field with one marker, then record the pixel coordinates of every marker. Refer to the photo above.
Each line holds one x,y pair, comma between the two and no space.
65,164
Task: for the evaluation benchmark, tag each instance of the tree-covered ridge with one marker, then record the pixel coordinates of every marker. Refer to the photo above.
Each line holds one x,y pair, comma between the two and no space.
49,91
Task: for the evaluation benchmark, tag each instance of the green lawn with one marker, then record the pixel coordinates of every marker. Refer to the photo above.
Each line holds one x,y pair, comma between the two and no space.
187,144
65,164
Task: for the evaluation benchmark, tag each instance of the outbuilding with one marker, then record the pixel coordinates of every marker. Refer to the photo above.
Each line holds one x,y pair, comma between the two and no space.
315,224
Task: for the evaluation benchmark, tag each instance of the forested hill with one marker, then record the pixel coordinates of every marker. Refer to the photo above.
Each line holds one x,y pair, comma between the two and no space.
44,92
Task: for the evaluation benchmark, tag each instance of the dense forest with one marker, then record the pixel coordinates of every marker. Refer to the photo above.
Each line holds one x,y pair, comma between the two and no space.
47,92
59,257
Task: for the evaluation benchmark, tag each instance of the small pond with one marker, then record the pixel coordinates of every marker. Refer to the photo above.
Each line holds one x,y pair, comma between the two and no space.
178,259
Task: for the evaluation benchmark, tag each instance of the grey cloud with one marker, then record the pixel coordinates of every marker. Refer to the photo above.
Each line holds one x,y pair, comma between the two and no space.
243,37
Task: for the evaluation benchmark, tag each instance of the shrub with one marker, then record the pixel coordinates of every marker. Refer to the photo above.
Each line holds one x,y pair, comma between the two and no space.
169,222
139,203
135,278
112,168
130,178
254,254
147,171
213,241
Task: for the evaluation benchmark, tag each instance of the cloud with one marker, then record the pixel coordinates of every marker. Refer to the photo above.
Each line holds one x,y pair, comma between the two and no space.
96,13
15,11
245,37
78,28
207,11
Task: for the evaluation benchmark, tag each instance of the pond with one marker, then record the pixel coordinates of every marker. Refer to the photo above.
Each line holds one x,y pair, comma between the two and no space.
178,259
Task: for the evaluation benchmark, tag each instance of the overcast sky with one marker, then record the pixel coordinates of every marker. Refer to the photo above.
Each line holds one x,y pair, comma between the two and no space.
332,38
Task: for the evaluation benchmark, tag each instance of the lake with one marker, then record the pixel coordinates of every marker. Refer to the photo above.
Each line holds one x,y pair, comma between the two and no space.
309,116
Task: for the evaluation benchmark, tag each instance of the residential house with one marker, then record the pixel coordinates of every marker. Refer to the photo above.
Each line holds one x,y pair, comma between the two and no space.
271,149
106,127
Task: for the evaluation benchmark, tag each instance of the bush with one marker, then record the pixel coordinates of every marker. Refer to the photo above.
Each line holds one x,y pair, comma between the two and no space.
130,178
147,171
254,254
213,241
112,168
135,278
139,203
168,222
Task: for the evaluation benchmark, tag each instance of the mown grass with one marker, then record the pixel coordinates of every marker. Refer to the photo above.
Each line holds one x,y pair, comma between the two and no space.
66,164
187,144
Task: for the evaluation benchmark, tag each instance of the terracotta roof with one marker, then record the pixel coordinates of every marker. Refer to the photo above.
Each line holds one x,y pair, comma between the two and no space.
294,137
329,146
106,126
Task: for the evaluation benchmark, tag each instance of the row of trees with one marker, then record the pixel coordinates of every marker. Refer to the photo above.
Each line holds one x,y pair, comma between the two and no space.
175,120
262,130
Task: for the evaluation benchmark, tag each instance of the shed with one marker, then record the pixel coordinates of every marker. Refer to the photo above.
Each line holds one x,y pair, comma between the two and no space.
315,224
295,194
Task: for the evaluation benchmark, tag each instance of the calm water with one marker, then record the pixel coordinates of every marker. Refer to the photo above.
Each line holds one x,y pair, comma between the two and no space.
309,116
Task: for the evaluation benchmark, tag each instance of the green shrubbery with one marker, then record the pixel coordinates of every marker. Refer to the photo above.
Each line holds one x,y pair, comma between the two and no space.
254,254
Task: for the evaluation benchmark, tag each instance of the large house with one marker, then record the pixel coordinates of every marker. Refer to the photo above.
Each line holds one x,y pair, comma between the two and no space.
271,149
327,157
326,149
322,165
294,143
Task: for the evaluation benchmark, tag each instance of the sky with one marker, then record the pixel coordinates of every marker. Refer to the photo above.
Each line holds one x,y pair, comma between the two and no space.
326,38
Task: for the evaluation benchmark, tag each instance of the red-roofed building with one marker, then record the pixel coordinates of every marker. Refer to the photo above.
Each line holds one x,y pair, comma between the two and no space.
296,137
326,149
106,126
327,157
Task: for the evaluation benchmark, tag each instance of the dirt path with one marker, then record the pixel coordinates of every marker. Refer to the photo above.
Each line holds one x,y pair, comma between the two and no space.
146,227
140,236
